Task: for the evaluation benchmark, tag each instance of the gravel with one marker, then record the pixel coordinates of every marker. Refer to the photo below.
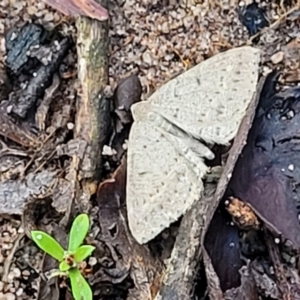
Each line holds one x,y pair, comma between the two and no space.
19,261
158,38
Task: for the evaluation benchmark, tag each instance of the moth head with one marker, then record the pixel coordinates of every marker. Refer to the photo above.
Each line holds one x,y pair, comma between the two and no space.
140,110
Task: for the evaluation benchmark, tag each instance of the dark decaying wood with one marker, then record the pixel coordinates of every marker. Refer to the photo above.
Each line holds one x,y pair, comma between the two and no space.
267,175
37,85
187,251
19,41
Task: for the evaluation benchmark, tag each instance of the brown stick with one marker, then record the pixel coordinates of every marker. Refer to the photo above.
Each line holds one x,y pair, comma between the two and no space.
281,279
92,115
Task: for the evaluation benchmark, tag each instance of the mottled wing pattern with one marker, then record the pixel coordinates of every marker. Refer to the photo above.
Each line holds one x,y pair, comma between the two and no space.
165,153
161,183
209,100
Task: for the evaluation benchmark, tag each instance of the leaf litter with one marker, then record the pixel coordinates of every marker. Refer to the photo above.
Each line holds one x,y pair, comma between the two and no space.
55,139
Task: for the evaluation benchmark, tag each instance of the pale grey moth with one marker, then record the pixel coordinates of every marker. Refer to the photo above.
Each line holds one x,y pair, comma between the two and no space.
165,160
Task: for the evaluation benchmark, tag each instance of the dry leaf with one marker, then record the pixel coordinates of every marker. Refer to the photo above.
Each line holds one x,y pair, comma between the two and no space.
130,258
88,8
267,173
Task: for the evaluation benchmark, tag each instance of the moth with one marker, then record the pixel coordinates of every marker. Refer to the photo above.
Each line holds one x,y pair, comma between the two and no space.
173,132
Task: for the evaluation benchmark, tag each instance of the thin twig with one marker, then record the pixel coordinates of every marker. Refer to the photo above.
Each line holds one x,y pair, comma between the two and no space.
9,258
273,25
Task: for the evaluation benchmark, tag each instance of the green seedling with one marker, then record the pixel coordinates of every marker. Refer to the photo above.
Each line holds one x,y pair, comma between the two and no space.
69,260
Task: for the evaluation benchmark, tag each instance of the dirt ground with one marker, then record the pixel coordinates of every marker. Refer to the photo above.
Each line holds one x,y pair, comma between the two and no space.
155,39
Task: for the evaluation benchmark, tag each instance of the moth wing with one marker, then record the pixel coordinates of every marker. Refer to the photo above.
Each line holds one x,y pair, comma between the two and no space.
208,103
209,100
161,184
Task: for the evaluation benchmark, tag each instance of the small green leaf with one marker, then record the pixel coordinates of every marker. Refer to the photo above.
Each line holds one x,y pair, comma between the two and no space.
48,244
78,231
80,287
83,252
64,266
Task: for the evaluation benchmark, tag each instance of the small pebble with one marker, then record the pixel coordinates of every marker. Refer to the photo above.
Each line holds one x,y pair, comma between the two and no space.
8,296
10,277
21,230
19,292
26,273
108,151
17,272
70,126
277,240
32,10
293,260
291,114
277,57
147,58
92,261
125,145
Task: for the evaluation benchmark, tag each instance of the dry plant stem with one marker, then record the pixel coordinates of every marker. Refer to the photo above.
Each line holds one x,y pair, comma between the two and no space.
10,257
281,279
275,24
183,267
92,49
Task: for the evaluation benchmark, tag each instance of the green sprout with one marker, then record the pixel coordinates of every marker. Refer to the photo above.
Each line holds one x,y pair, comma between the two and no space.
69,260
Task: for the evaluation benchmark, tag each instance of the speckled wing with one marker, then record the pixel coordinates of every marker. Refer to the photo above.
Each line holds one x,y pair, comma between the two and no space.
161,183
166,150
209,100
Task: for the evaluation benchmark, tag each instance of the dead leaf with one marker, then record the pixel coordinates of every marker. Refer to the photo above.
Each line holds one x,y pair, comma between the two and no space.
88,8
223,250
265,177
15,131
42,110
130,258
269,166
128,92
263,280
